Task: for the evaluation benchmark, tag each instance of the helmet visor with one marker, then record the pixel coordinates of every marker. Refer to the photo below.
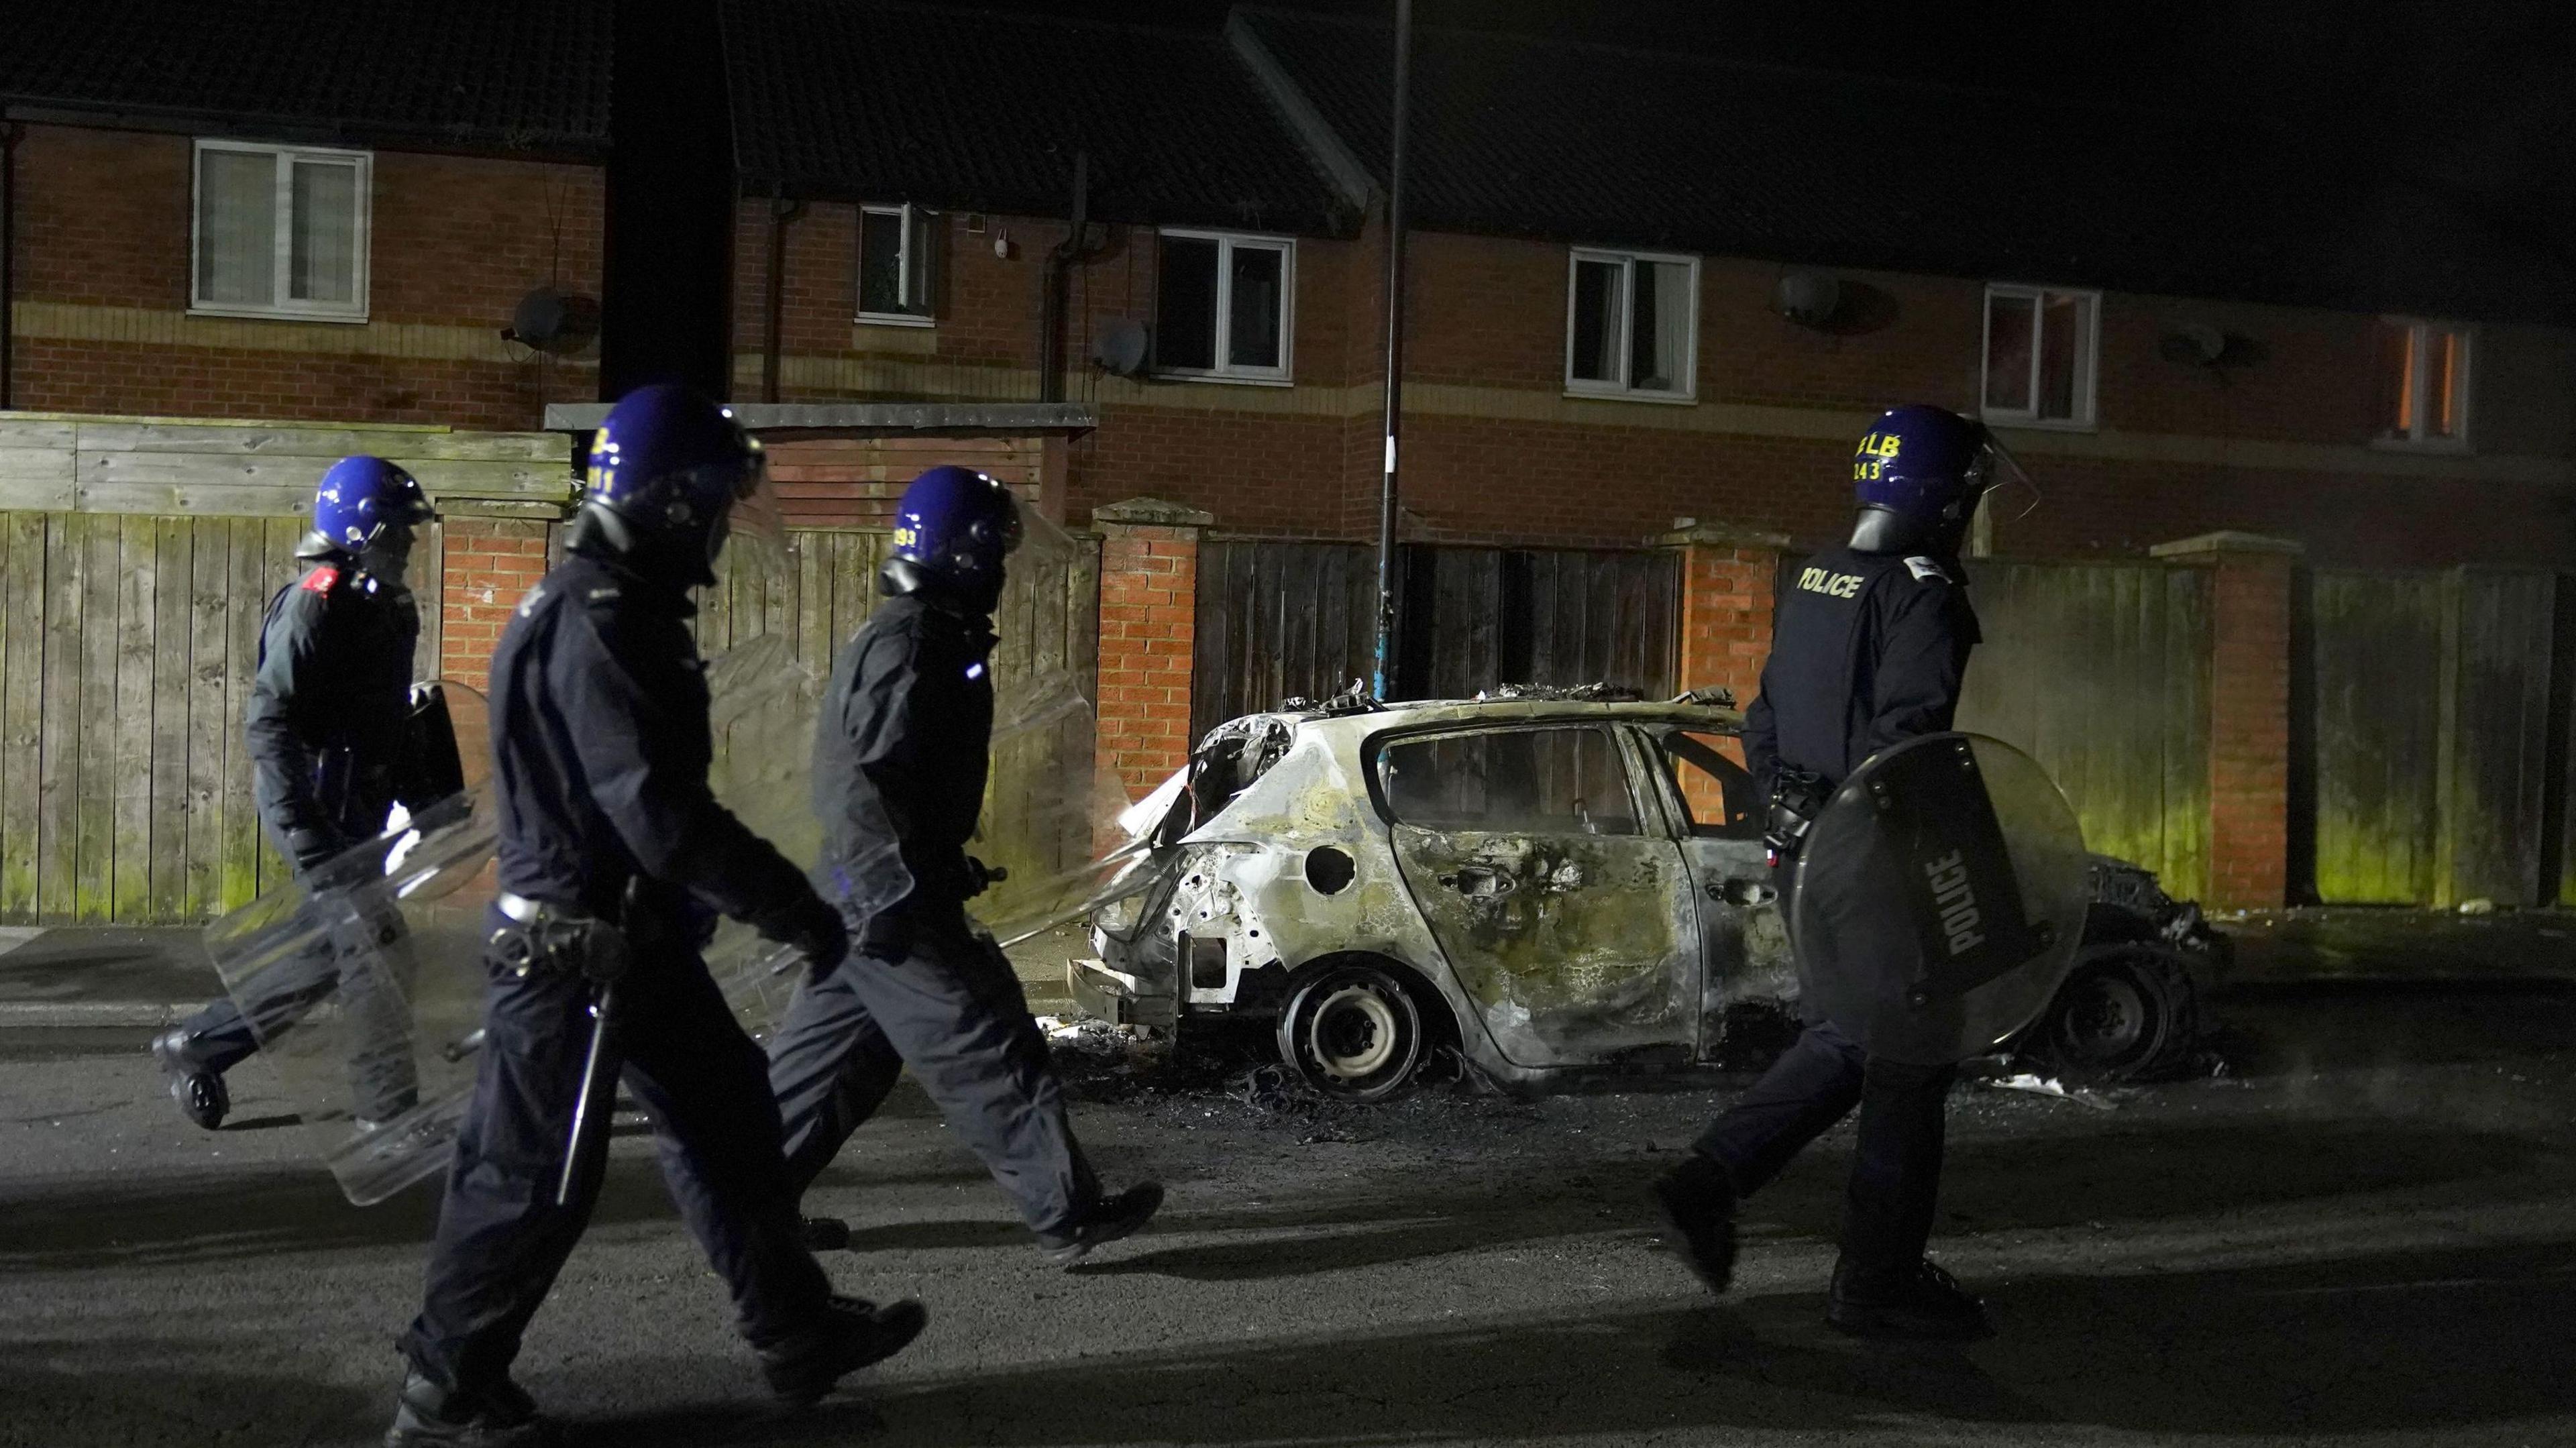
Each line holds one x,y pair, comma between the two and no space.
2001,474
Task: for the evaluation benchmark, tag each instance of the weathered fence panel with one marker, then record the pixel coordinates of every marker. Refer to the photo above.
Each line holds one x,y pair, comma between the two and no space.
2101,672
1279,619
2436,736
126,656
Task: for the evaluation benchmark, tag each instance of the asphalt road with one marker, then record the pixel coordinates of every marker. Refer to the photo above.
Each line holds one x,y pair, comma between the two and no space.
2368,1234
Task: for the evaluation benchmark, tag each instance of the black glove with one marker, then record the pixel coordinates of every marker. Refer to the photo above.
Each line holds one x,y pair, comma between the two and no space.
812,929
981,877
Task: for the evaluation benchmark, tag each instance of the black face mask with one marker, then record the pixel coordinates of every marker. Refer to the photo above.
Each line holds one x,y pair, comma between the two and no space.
388,558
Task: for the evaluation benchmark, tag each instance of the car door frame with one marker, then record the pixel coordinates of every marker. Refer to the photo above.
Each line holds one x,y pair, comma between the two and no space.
1744,943
1654,827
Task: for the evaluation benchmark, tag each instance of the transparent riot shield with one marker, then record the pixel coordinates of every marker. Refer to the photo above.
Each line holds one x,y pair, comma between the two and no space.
763,703
363,983
1051,815
1939,899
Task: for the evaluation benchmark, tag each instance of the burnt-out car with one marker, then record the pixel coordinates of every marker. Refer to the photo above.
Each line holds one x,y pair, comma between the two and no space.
1551,882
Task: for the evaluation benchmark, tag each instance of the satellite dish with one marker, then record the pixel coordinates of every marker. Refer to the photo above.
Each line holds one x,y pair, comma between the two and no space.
1809,299
2194,344
1121,349
552,321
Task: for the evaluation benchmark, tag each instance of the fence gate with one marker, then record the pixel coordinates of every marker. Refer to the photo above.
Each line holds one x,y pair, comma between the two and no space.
1280,619
2101,672
2435,728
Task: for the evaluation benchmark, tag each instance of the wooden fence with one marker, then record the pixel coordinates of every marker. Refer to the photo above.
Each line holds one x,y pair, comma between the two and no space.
2435,752
127,644
1279,619
2101,672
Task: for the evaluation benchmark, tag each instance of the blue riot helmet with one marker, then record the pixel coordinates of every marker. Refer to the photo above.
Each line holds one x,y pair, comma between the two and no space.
952,530
1918,475
365,505
668,468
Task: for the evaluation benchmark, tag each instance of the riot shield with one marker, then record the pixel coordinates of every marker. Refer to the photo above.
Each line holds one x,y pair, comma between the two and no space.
1939,899
363,984
1051,815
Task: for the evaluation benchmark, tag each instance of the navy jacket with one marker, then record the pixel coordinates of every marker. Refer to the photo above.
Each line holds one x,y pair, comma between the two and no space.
600,749
329,706
1866,651
909,720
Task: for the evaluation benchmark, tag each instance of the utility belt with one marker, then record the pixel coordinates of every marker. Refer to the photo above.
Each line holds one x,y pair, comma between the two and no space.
539,936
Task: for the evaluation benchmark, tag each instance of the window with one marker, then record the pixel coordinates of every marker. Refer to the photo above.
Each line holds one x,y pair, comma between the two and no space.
1716,790
896,248
1632,326
1537,781
281,232
2423,370
1222,306
2040,348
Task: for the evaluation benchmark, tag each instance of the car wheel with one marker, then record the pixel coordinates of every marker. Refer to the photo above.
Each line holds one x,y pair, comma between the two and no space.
1353,1032
2128,1011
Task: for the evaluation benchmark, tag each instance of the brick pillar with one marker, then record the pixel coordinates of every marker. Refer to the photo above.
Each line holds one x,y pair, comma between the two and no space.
2249,713
1149,579
1727,579
486,565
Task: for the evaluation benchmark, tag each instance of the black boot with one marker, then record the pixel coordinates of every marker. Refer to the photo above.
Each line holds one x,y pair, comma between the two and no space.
502,1417
854,1333
199,1091
1698,1198
1105,1220
1919,1302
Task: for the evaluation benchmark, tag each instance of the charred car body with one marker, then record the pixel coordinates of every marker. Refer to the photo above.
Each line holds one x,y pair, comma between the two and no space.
1550,882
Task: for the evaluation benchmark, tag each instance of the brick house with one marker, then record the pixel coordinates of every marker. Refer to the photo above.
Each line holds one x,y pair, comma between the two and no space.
2186,329
320,212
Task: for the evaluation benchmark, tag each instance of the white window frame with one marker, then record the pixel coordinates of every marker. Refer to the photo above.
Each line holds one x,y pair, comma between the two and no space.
1626,305
282,306
2086,419
911,270
2420,380
1224,371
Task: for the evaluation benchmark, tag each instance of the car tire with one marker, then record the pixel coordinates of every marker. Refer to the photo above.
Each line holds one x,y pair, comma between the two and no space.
1353,1032
2127,1012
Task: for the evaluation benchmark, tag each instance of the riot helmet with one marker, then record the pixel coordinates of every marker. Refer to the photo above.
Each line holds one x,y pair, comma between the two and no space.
366,509
668,470
1917,475
952,530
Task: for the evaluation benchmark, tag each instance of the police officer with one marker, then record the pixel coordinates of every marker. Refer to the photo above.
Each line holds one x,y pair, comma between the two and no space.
326,725
614,858
900,757
1867,652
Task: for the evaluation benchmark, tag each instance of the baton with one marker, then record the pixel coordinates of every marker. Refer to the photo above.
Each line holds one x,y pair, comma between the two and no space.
600,1006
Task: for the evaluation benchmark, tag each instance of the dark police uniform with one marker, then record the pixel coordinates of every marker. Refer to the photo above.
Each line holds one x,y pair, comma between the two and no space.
600,753
908,721
1867,652
327,721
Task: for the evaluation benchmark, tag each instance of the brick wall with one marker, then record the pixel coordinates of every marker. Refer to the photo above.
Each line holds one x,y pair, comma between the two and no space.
2249,713
486,566
1148,629
1495,452
103,266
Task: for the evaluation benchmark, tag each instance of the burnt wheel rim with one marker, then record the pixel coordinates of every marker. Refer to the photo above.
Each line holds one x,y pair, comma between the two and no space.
1355,1034
2108,1018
